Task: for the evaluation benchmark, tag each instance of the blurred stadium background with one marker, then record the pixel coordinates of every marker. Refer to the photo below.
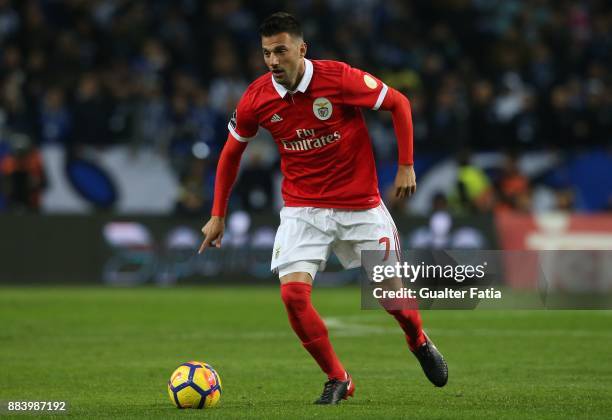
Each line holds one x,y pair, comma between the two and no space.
113,113
112,117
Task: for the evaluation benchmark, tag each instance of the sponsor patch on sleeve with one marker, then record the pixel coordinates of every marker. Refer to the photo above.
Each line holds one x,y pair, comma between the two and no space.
370,81
233,121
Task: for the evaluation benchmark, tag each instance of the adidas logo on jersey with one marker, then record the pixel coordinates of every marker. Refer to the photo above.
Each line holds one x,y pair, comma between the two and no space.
276,118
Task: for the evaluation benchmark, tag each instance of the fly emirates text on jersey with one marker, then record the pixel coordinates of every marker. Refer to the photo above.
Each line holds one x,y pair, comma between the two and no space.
308,140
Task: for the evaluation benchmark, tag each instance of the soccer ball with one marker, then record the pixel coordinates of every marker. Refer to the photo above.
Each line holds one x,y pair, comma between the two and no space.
194,385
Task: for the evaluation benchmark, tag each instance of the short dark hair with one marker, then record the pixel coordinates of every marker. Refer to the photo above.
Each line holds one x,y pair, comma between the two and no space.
280,22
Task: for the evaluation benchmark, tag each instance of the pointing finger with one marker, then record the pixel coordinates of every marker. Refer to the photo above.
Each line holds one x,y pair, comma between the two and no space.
205,244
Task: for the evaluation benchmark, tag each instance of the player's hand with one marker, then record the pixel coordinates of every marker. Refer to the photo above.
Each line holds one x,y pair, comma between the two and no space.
213,233
405,181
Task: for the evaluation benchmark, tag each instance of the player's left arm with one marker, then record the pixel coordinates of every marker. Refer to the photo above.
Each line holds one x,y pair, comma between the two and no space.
364,90
399,105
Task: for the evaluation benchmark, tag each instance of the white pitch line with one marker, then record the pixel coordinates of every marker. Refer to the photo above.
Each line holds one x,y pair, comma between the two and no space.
347,328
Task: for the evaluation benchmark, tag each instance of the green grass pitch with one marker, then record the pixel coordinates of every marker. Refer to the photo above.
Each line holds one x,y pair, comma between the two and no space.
109,353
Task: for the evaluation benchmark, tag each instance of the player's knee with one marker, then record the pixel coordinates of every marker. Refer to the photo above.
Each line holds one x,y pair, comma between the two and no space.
296,296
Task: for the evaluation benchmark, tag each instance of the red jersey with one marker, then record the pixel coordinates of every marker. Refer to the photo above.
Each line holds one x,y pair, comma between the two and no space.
326,153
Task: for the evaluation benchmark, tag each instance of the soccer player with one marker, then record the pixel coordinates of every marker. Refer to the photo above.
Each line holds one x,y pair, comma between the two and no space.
330,189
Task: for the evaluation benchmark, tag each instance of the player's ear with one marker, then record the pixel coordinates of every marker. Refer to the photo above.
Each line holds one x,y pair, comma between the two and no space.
303,48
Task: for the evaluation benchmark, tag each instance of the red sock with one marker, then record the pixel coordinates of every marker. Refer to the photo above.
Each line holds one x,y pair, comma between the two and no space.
310,328
410,322
406,312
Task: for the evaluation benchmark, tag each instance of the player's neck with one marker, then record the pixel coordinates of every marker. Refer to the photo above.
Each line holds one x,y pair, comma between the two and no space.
300,75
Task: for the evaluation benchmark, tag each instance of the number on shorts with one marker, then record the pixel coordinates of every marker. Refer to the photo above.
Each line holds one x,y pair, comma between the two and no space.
387,243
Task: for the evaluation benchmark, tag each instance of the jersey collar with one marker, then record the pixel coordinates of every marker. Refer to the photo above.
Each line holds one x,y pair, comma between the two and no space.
282,91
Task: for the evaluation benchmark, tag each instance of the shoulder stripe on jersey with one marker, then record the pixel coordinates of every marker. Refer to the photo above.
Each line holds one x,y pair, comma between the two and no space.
324,67
381,97
238,136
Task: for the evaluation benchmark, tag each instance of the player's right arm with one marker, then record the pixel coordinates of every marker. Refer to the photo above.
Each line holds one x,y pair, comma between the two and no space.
242,127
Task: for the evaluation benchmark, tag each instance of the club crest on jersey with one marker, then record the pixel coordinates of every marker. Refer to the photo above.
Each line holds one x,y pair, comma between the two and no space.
322,108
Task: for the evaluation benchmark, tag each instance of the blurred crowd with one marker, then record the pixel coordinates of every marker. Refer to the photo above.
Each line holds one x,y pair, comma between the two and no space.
165,75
